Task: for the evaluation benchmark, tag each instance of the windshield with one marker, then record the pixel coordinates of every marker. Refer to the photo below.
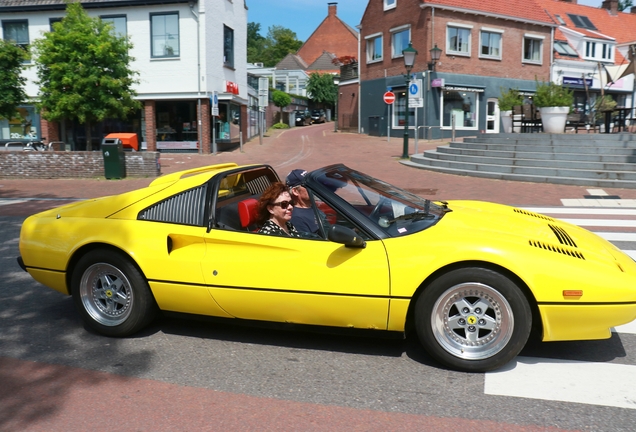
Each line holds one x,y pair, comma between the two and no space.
395,210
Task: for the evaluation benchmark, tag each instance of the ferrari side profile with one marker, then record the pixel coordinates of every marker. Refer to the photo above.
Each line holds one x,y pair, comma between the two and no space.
471,280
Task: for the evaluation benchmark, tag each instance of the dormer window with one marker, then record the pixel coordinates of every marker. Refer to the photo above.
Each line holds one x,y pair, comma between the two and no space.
599,51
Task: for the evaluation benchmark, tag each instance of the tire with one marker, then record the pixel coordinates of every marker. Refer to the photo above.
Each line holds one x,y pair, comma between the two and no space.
111,295
473,319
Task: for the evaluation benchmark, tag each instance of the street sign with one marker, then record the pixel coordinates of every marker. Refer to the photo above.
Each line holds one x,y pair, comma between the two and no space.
215,104
415,89
263,92
389,97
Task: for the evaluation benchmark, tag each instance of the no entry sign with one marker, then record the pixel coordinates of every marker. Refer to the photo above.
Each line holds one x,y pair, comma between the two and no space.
389,97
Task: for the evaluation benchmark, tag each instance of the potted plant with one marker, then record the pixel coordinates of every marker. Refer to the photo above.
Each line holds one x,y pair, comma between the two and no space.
507,100
554,102
603,109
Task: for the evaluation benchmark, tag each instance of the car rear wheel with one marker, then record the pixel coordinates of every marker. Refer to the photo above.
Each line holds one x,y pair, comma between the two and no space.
111,294
473,319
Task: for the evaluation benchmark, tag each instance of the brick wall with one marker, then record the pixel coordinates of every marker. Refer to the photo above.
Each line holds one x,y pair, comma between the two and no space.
63,164
348,107
376,20
333,36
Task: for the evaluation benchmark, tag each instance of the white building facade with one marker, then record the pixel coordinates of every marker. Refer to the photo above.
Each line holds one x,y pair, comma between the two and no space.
190,55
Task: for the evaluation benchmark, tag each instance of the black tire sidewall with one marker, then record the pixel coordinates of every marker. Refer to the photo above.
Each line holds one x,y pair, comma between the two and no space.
143,306
507,288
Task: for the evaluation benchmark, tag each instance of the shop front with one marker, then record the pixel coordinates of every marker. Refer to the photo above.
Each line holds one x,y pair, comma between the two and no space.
24,127
177,125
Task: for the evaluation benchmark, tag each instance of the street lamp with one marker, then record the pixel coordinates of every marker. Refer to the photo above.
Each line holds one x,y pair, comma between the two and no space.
435,55
409,54
336,81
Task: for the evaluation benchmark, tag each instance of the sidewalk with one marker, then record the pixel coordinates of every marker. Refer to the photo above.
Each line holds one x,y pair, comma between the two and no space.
312,147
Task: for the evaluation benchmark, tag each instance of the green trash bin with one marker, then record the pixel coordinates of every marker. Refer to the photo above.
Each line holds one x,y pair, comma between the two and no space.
114,158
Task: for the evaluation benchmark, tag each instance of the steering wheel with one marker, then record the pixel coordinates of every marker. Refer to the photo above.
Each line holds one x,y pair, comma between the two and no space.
375,213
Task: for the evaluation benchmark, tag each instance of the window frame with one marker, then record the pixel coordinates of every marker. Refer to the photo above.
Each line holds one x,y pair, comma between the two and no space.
228,63
396,31
371,39
21,44
152,36
476,96
390,4
481,43
534,38
397,110
449,46
113,17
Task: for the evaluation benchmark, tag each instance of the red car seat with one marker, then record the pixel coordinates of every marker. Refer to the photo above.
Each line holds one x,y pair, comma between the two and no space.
248,213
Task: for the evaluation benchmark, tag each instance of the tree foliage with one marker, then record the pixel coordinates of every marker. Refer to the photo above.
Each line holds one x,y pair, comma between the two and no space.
11,80
269,50
625,5
83,71
281,100
321,88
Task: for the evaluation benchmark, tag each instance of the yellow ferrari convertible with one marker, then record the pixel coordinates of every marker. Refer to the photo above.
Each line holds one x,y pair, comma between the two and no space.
472,279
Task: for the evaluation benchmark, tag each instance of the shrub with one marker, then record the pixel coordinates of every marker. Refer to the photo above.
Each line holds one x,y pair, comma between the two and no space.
553,95
603,103
509,98
280,126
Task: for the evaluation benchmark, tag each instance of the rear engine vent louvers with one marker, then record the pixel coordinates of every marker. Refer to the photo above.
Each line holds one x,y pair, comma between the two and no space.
537,215
186,208
564,237
557,249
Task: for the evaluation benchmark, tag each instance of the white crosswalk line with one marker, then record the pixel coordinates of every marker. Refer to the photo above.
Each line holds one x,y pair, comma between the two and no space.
606,384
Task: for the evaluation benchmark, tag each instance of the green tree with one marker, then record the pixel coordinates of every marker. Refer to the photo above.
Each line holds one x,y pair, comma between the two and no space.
279,42
281,100
624,4
83,71
255,43
321,89
11,80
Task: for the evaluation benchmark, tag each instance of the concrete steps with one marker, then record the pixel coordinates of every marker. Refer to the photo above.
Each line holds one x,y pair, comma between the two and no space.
600,160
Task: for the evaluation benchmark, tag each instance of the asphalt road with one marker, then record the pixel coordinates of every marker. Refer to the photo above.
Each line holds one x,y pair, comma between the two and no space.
237,378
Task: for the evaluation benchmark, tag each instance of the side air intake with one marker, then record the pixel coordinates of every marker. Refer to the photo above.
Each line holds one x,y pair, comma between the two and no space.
186,208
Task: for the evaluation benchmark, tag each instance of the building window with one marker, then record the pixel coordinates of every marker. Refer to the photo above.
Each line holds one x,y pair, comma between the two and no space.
118,23
53,21
565,49
532,50
607,52
374,48
25,125
399,41
399,108
460,106
16,31
164,34
390,4
590,49
458,40
490,46
228,46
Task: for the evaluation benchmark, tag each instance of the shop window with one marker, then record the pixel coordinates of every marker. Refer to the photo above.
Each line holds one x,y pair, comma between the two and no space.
399,108
460,106
23,126
532,49
374,48
118,23
399,40
227,126
490,44
458,40
176,125
164,34
228,47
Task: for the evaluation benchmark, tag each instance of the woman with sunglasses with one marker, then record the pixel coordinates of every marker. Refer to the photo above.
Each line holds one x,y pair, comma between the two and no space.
275,209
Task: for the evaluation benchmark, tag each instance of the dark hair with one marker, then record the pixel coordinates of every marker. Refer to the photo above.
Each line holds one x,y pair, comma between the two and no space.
269,196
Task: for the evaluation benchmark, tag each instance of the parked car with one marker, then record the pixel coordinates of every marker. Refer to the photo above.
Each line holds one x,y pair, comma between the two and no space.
472,279
318,116
303,118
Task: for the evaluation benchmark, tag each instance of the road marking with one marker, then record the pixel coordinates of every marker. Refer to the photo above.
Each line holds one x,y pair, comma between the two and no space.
597,192
582,211
602,222
607,384
11,201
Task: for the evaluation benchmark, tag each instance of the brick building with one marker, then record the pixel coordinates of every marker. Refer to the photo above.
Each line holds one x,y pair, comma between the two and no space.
485,45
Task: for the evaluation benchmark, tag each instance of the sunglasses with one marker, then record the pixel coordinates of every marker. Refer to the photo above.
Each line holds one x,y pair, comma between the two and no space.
284,204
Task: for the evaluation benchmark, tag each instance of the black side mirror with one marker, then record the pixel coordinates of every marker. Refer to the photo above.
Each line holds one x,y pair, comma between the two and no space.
346,236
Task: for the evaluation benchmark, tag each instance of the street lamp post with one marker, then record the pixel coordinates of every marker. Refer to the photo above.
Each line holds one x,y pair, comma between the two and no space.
409,54
435,55
336,81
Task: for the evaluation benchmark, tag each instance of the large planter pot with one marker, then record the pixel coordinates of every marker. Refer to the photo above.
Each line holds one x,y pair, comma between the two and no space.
554,119
506,121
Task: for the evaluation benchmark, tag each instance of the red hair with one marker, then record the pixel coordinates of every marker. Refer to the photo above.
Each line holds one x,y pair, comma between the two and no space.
267,198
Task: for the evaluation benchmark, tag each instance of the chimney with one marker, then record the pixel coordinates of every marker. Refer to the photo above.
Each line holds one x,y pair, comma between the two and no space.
633,10
611,6
570,1
333,7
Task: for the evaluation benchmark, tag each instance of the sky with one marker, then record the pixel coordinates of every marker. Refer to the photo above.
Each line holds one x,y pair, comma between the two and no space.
304,16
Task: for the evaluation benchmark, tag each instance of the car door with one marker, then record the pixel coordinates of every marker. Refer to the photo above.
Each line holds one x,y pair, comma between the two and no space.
305,281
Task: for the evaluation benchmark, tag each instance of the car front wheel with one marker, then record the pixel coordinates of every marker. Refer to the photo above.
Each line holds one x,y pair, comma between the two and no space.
111,294
473,319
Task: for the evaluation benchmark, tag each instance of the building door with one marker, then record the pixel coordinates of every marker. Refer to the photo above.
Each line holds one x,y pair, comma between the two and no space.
492,116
